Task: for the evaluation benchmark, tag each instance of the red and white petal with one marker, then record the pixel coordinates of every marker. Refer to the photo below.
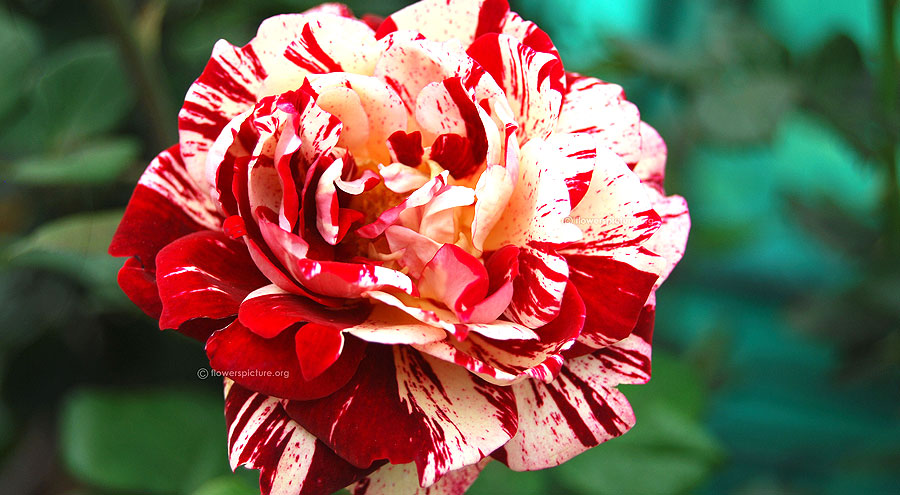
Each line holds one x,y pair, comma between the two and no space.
670,240
401,479
627,361
383,109
443,20
600,109
329,43
271,366
494,189
413,409
269,310
229,85
327,206
562,419
432,315
652,166
504,361
166,204
614,289
338,9
539,288
529,34
419,197
578,157
409,65
539,206
291,460
615,212
455,278
204,275
389,325
347,280
532,81
417,249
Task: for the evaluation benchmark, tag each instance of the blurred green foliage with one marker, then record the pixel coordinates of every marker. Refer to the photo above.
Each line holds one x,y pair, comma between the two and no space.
777,344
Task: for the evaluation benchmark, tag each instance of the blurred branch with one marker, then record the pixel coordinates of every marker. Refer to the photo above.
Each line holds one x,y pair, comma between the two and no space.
888,96
145,71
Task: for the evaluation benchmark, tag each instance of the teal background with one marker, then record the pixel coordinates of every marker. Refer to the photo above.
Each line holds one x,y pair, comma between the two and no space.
777,343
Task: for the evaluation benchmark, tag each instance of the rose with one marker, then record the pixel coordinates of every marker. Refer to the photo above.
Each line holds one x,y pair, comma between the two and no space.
431,242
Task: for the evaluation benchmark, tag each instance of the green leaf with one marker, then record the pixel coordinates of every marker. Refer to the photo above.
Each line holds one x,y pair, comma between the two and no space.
230,484
79,234
497,478
148,442
744,110
84,91
95,163
75,246
19,44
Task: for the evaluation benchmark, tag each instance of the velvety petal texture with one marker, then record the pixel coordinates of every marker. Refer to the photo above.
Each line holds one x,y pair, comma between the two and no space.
411,245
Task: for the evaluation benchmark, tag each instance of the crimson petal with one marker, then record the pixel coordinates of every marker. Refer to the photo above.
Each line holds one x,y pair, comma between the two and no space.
270,366
204,275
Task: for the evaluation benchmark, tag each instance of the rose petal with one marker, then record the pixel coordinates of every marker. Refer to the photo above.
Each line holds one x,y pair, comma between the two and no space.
290,459
393,479
559,420
532,81
539,206
413,409
318,347
167,203
271,366
470,19
204,275
652,166
269,310
598,108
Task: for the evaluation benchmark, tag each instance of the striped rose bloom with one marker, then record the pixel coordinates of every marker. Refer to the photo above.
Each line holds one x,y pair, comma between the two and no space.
411,245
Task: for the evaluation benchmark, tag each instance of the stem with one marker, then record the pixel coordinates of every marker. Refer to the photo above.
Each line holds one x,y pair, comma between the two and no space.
146,73
888,97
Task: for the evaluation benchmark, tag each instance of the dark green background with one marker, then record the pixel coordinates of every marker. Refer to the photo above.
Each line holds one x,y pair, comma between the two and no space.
777,342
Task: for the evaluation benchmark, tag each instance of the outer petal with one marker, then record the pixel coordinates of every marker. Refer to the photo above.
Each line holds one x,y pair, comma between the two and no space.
166,204
271,366
600,109
652,167
229,85
401,479
291,461
412,408
469,19
579,410
670,240
614,289
204,275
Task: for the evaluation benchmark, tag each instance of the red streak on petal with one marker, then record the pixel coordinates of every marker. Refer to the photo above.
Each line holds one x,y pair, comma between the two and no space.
387,27
491,17
234,227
